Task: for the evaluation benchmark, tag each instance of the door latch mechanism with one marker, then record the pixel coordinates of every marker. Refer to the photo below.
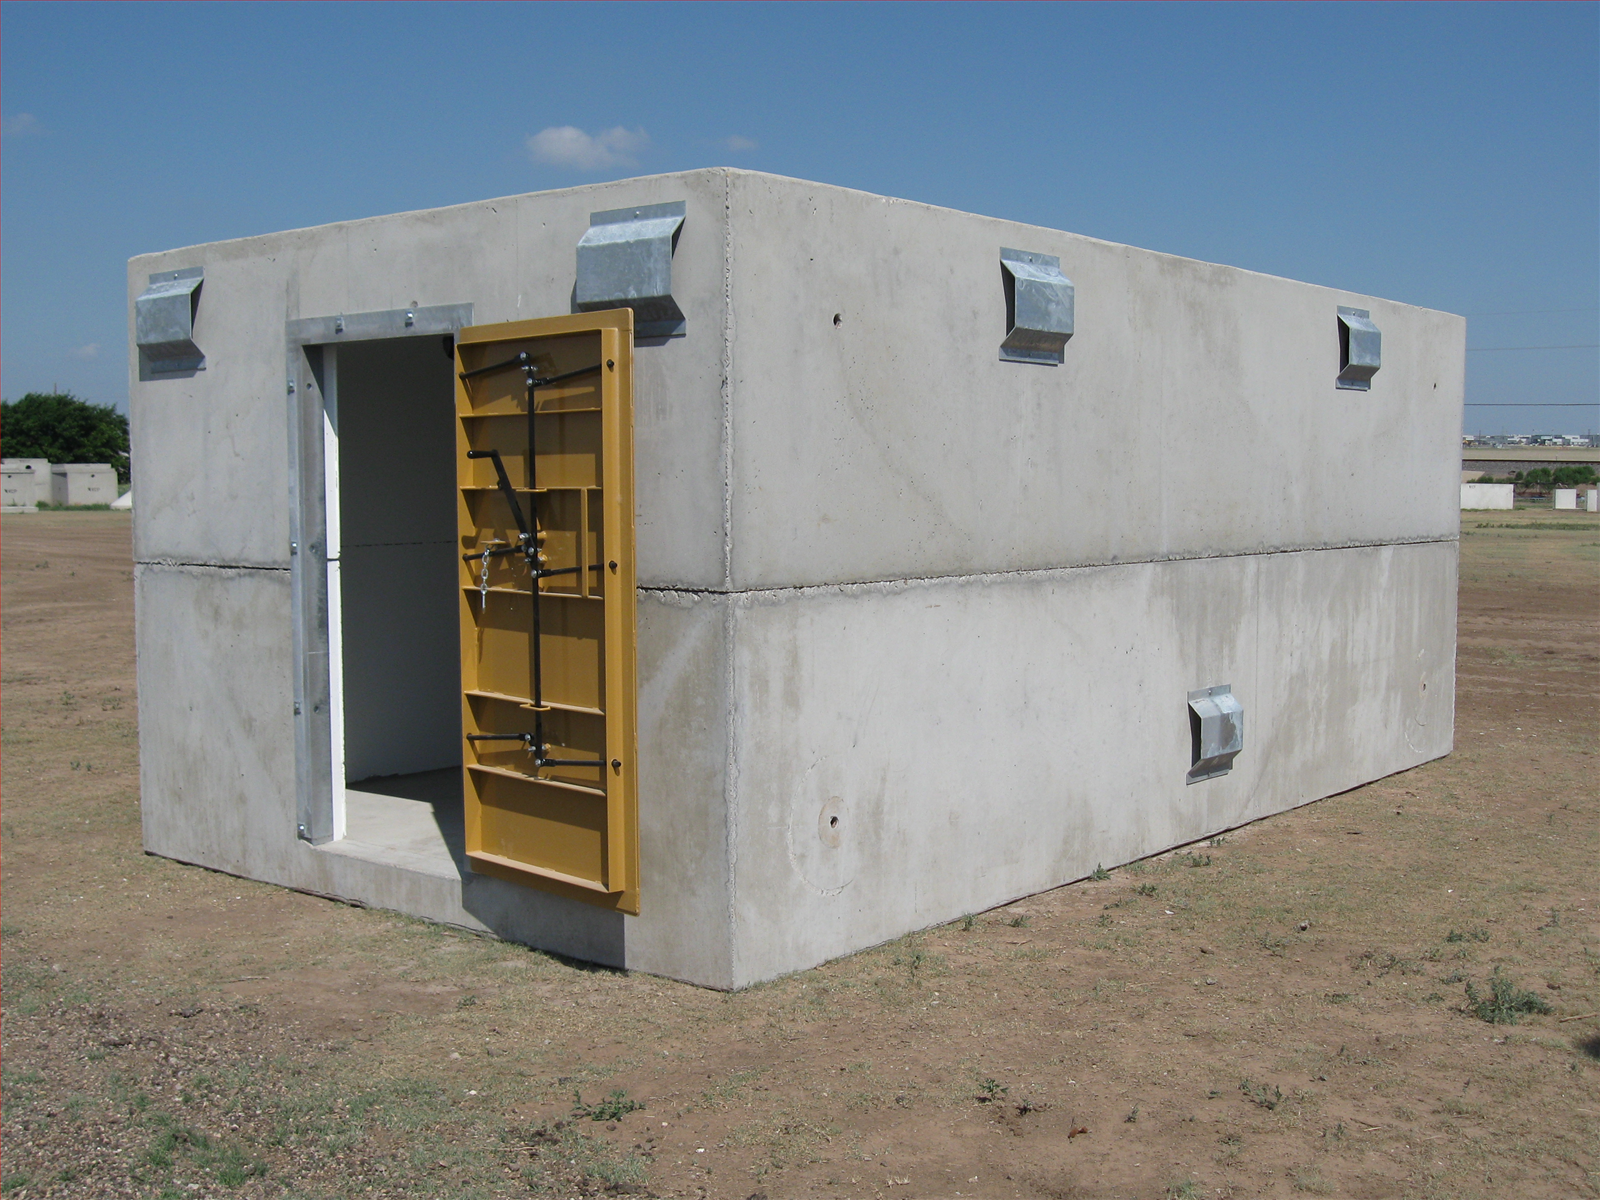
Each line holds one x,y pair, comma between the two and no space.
530,545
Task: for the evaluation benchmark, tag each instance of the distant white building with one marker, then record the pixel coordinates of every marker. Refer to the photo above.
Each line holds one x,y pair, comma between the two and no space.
1478,496
26,481
82,483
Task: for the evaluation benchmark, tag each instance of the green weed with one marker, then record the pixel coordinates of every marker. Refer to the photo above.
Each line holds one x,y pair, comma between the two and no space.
563,1156
990,1091
613,1108
913,962
1274,946
1505,1004
1309,1179
1099,874
1260,1097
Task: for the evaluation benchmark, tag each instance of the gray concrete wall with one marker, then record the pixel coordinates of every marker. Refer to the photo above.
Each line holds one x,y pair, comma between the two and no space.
216,731
1195,414
955,603
217,442
982,738
211,455
969,597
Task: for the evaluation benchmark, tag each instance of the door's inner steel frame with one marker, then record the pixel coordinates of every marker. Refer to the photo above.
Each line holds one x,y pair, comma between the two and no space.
530,546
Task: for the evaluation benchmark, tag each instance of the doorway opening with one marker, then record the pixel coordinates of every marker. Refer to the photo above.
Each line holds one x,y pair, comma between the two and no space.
393,602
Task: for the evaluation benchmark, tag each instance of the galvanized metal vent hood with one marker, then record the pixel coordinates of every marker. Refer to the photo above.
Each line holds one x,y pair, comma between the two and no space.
625,261
1216,727
163,321
1039,307
1360,349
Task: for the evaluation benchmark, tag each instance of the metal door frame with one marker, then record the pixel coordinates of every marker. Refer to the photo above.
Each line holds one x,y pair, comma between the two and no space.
308,536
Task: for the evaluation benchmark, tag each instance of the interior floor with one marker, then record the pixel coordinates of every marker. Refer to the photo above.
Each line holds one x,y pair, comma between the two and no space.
411,821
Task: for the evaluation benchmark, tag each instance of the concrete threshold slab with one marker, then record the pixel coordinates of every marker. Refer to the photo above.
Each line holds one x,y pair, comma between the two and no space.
412,822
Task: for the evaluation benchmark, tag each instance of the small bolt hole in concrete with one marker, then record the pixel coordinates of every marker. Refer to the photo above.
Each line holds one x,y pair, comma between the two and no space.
838,320
828,827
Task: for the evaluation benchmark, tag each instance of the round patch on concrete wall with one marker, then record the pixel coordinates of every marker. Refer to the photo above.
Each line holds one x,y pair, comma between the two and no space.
819,842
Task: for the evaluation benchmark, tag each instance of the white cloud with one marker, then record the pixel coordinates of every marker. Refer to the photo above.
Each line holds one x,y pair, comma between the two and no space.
92,350
569,146
20,125
737,143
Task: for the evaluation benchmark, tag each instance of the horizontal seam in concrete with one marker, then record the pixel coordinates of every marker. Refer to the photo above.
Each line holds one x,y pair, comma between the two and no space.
380,545
908,580
213,566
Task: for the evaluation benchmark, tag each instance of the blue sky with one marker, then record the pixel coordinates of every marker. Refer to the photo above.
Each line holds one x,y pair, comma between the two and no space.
1442,155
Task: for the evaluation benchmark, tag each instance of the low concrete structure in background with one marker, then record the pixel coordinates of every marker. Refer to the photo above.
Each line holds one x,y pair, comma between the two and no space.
124,501
1591,500
75,484
1487,496
16,490
1566,499
26,481
945,596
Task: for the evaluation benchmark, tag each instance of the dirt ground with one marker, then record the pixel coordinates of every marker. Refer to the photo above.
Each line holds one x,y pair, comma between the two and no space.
1289,1009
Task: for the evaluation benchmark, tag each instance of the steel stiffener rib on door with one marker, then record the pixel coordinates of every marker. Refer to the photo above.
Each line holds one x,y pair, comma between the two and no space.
545,467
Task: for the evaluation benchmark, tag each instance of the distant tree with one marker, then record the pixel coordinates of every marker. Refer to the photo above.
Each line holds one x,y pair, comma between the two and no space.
64,429
1573,475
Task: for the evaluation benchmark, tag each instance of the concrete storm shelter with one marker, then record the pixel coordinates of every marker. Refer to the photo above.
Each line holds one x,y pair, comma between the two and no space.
891,562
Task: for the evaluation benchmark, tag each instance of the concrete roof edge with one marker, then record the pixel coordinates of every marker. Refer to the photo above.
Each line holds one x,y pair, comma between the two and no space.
732,173
1342,292
223,243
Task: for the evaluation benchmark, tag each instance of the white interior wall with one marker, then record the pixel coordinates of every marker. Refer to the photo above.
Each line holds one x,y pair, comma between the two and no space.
395,572
330,500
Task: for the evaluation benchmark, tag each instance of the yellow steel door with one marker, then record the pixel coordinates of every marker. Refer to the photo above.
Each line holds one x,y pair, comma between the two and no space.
544,459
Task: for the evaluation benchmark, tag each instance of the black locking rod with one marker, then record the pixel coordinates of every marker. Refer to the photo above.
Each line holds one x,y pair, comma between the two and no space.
539,760
564,376
523,362
506,489
520,360
475,555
